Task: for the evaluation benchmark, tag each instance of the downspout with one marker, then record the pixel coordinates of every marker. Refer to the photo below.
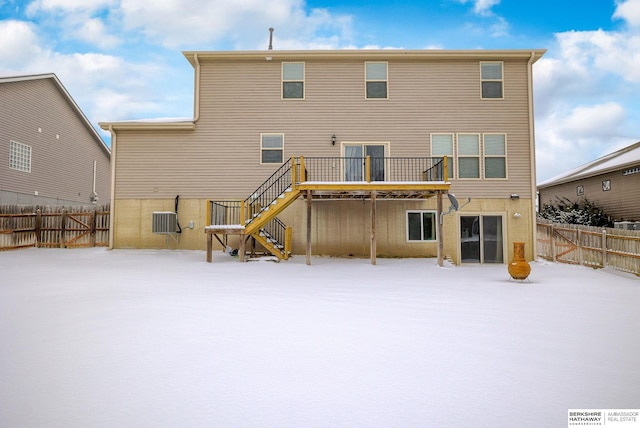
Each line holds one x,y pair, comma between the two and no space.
112,216
532,156
196,89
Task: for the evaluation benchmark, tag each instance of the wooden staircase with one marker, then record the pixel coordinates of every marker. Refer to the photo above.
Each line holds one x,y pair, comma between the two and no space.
258,226
256,216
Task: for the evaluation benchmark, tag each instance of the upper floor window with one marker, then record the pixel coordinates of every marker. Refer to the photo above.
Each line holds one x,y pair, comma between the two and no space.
491,79
376,79
441,146
293,80
468,156
19,156
495,156
271,148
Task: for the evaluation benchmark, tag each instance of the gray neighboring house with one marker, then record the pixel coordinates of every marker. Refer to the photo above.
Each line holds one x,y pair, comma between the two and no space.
50,154
612,181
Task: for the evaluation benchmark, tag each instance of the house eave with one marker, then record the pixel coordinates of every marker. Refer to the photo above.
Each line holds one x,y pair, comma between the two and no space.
148,126
579,177
362,54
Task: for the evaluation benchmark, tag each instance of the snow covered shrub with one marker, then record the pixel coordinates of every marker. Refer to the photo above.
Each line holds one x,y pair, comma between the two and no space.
582,211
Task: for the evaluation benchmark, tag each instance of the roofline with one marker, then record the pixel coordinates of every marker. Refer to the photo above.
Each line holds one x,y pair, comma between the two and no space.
178,125
578,172
380,54
67,95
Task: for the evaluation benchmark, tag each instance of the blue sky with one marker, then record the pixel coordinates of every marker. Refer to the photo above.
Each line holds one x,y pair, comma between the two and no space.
121,59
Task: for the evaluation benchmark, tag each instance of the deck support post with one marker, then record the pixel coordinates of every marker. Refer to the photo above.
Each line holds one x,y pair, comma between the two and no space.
439,230
373,227
242,246
308,227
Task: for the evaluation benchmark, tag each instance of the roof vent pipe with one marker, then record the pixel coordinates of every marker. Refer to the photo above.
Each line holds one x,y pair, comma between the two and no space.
271,38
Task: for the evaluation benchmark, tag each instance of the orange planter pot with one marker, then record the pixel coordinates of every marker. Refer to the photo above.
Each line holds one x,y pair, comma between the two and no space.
519,269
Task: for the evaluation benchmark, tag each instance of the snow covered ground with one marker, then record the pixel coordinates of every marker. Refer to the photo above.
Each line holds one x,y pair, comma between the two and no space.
124,338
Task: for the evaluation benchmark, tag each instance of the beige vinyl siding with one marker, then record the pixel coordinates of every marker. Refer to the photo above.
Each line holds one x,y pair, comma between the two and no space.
36,113
242,99
621,202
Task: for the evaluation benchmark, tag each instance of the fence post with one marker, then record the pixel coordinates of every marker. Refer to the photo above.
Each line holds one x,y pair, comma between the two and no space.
93,228
604,248
62,226
38,227
580,256
552,240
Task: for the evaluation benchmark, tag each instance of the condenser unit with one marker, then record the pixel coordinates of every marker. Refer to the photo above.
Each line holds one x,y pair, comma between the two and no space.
165,223
626,225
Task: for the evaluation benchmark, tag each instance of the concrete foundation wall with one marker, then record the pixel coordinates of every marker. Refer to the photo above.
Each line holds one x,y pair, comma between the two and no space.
338,228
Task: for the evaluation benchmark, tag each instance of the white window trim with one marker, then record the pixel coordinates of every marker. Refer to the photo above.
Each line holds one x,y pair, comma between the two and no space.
492,80
262,135
375,80
506,158
344,144
450,158
406,218
478,156
304,78
16,150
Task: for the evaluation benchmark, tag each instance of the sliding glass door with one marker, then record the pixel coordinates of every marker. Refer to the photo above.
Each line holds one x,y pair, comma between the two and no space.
481,239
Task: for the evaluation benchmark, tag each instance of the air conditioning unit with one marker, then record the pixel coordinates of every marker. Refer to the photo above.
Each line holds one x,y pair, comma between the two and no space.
626,225
165,223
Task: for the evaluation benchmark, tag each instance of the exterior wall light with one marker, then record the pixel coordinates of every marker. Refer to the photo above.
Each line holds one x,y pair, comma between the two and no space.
333,140
515,196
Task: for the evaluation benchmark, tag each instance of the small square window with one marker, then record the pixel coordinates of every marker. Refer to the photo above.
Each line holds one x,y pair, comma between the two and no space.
19,156
271,148
376,80
491,80
421,225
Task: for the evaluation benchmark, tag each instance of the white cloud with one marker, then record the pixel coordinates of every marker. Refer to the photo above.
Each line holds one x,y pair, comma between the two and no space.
69,6
19,44
77,19
196,24
585,95
629,11
93,30
482,7
500,28
570,137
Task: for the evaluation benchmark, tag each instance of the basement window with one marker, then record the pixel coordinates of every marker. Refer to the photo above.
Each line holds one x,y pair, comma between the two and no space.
421,226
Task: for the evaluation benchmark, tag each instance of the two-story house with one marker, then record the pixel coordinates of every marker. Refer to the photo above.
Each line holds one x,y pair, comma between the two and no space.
50,153
353,150
610,181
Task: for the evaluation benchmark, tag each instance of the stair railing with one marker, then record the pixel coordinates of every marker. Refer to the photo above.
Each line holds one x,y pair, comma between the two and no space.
273,187
278,235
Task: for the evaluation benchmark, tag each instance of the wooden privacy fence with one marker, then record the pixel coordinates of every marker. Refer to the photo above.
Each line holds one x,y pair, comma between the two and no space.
53,227
596,247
